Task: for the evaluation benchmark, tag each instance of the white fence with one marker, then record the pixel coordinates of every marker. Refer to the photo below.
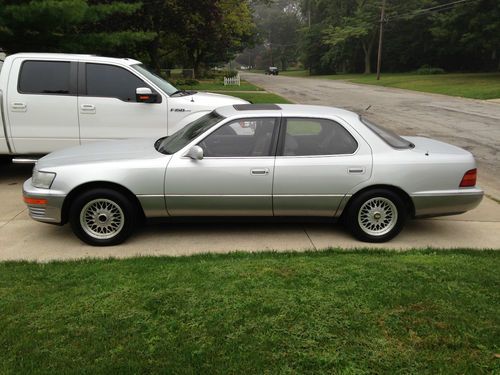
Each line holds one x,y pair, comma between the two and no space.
232,81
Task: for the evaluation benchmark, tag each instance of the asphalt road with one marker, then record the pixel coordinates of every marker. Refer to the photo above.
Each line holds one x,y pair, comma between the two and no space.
471,124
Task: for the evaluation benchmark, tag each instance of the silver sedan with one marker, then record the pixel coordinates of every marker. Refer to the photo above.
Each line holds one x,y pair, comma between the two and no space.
255,160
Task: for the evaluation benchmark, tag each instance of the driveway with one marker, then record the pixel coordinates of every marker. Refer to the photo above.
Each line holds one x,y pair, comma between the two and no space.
24,239
470,124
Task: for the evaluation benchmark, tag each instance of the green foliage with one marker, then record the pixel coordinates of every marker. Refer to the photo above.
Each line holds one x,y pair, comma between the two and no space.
229,73
345,312
163,32
426,69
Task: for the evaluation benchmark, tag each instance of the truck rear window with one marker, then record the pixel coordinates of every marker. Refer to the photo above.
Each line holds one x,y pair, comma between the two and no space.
45,77
388,136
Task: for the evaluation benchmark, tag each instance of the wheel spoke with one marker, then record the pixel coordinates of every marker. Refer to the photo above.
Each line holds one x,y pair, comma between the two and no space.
377,216
102,218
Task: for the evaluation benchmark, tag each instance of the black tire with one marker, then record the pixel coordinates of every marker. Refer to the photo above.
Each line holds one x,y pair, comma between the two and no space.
383,215
102,217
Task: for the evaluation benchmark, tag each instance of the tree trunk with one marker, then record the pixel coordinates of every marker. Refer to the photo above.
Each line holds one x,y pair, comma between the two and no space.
153,54
367,49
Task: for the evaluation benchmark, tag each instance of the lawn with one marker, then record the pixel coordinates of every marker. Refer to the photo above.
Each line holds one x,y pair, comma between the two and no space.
218,85
471,85
349,312
245,91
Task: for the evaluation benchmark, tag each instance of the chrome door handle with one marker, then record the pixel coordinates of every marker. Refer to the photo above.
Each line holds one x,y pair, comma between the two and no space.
19,106
259,172
356,170
87,108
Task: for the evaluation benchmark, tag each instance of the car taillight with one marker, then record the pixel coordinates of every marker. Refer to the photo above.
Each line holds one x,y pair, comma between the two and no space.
469,178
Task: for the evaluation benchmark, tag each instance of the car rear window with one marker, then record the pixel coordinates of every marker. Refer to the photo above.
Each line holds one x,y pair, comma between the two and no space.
388,136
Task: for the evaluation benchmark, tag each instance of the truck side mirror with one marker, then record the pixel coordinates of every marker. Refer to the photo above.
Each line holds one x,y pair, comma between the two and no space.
145,95
195,153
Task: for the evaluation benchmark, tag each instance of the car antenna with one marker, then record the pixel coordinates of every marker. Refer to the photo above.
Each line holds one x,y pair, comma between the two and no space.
367,108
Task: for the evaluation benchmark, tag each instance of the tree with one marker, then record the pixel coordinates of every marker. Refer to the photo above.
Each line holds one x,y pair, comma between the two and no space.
68,26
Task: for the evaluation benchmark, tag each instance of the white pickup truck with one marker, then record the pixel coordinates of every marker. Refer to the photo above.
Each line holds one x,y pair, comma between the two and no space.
51,101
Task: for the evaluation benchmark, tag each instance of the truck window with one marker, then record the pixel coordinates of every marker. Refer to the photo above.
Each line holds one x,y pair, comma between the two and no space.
112,82
45,77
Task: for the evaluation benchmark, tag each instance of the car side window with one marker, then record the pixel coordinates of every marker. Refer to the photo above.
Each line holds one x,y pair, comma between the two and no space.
112,82
45,77
242,138
311,136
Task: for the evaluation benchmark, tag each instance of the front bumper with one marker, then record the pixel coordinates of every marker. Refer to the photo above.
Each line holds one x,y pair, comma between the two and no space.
49,212
449,202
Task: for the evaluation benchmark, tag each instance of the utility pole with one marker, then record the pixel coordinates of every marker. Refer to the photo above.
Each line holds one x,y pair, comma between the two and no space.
380,37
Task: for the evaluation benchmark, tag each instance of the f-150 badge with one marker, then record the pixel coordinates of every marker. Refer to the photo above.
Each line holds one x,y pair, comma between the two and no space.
179,110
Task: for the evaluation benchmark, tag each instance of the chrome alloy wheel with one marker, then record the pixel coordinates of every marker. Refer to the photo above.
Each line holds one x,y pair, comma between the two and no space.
377,216
102,219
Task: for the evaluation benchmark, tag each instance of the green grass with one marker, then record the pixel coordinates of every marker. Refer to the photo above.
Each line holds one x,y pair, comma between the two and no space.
470,85
257,98
344,312
218,85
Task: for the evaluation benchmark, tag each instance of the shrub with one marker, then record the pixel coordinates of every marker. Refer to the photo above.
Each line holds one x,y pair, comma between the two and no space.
427,69
230,73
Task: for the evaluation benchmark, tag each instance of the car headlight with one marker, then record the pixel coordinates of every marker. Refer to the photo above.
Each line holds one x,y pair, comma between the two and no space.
42,180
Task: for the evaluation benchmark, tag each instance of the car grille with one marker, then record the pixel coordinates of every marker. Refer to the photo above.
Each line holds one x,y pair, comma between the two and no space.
37,212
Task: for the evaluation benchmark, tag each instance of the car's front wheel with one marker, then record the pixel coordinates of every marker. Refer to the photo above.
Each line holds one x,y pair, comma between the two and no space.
102,217
376,215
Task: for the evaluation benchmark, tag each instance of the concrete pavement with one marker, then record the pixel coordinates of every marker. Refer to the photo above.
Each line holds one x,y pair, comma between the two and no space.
24,239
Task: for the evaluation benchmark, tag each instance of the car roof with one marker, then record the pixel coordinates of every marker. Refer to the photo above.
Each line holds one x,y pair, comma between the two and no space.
72,56
288,110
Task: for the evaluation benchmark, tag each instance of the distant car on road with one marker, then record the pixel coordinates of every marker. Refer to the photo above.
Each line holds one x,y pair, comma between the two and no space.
272,71
256,160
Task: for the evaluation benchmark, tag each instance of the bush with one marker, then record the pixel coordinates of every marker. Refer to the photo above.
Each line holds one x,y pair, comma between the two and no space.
230,73
426,69
186,82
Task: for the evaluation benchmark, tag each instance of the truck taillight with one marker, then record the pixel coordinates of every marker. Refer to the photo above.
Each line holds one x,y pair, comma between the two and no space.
469,178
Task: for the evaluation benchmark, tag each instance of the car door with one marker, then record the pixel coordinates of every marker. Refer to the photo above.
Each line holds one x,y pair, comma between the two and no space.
107,106
235,176
42,106
318,162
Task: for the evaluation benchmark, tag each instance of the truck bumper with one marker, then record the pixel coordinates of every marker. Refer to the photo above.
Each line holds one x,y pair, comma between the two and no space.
449,202
43,204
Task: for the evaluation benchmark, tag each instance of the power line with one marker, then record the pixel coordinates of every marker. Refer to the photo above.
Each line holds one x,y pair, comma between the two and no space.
437,8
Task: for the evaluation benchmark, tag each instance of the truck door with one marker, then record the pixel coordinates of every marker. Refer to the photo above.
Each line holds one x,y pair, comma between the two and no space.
41,105
107,106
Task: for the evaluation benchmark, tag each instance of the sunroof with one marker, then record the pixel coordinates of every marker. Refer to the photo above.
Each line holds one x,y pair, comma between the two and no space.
255,107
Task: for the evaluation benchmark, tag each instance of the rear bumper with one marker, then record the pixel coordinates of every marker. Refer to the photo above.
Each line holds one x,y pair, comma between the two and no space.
449,202
49,212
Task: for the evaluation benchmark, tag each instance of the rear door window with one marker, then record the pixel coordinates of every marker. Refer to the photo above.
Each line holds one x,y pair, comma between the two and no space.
312,136
112,82
45,77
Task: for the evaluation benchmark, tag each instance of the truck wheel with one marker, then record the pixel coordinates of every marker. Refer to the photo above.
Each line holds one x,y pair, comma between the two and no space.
376,215
102,217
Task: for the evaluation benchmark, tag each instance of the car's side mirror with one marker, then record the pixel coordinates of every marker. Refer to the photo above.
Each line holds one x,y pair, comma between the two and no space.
145,95
195,153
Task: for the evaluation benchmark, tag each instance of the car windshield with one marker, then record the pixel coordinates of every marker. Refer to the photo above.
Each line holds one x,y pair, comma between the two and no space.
166,87
391,138
185,135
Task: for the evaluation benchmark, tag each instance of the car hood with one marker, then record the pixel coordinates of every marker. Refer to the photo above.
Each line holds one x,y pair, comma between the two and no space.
95,152
214,100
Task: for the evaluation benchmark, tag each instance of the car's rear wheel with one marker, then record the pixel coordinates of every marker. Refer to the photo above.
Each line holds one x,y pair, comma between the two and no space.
102,217
376,215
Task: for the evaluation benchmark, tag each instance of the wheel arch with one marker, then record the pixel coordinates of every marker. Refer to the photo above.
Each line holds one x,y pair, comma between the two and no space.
403,194
98,185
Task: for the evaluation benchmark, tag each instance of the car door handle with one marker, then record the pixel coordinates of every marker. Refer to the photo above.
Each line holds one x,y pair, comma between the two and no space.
356,170
19,106
259,172
87,108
